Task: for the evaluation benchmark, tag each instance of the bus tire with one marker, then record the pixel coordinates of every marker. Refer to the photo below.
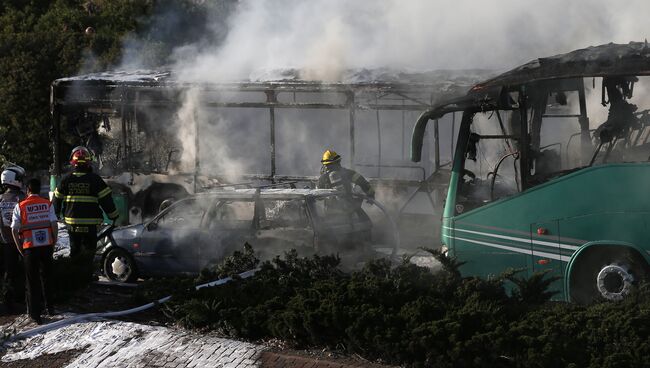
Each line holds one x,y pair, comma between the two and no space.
606,273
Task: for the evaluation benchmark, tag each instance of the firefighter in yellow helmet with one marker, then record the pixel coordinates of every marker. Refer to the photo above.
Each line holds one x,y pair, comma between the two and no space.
335,176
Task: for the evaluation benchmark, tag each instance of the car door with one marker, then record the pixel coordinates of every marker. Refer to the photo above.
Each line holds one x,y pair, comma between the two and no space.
284,224
338,224
228,224
171,239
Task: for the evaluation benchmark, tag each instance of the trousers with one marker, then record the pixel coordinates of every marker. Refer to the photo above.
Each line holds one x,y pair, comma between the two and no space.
82,239
38,273
11,284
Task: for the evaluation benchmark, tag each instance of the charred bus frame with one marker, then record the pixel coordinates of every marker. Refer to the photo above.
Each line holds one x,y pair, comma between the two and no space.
122,94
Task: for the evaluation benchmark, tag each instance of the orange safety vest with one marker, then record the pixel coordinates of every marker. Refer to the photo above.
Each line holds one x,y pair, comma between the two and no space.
35,226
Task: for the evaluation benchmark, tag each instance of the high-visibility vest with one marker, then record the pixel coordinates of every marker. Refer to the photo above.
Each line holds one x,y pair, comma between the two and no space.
8,201
35,225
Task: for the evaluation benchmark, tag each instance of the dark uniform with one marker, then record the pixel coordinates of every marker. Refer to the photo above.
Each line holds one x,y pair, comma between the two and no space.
340,178
345,207
79,197
337,177
11,291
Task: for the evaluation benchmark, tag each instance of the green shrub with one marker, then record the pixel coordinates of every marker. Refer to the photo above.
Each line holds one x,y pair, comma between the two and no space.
408,315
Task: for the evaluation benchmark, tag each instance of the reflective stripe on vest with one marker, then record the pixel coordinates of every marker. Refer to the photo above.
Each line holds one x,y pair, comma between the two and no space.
35,226
79,198
82,221
103,193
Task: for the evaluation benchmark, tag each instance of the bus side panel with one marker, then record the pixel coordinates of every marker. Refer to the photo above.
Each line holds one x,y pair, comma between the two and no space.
617,227
547,256
593,204
488,251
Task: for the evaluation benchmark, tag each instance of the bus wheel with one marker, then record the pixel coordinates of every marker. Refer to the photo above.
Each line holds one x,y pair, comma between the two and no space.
606,273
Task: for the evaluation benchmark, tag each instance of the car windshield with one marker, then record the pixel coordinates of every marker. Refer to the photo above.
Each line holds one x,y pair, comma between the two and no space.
186,213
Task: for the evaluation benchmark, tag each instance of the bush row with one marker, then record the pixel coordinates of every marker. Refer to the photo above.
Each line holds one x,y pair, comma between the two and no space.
408,315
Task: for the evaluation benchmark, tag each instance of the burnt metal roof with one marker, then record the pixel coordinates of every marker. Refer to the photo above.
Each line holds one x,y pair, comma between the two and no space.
632,59
595,61
96,87
364,88
279,77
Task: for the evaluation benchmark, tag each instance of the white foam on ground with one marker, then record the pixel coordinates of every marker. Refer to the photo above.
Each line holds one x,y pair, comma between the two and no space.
121,344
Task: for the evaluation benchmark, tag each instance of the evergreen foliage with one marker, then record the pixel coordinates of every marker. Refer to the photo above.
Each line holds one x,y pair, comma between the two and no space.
41,41
408,315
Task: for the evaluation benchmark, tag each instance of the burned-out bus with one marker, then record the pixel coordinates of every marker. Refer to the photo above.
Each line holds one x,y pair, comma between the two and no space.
551,171
156,137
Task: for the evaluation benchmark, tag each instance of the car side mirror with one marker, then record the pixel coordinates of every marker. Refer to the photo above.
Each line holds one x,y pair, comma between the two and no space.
152,226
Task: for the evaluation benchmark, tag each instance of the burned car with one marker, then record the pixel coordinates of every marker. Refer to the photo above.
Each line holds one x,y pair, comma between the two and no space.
201,230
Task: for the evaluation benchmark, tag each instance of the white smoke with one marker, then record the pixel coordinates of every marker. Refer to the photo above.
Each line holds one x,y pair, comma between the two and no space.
186,122
323,37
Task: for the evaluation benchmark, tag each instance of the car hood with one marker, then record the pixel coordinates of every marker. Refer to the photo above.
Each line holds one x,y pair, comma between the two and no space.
128,233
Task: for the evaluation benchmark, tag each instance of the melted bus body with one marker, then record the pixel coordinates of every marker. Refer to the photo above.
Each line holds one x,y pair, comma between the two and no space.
551,170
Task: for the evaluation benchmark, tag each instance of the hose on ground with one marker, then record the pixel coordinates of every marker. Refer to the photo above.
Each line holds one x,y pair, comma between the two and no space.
95,316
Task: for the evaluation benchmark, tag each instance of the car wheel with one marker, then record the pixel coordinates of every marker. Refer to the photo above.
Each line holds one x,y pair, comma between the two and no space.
607,273
119,266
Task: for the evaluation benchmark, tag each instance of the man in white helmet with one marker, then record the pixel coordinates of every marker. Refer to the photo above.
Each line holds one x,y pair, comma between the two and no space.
12,185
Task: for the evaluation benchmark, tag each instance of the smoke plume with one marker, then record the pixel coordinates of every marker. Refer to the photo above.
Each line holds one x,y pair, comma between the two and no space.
323,37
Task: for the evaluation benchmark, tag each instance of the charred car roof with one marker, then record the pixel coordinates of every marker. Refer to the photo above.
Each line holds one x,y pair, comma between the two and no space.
272,193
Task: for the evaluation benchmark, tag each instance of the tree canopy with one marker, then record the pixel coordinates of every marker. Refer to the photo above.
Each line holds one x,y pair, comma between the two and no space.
41,41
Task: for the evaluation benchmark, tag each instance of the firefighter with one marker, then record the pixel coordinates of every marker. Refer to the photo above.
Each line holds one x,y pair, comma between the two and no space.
34,229
81,196
12,183
334,176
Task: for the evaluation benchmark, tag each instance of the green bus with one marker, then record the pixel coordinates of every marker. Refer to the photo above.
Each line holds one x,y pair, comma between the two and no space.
551,172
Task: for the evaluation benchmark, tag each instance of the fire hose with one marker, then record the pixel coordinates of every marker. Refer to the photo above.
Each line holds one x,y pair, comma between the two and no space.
95,316
392,222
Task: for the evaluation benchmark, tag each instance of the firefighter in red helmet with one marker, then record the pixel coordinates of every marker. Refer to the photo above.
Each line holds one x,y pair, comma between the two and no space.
80,197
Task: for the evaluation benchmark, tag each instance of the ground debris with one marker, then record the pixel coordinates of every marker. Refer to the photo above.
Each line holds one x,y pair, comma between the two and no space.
56,360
